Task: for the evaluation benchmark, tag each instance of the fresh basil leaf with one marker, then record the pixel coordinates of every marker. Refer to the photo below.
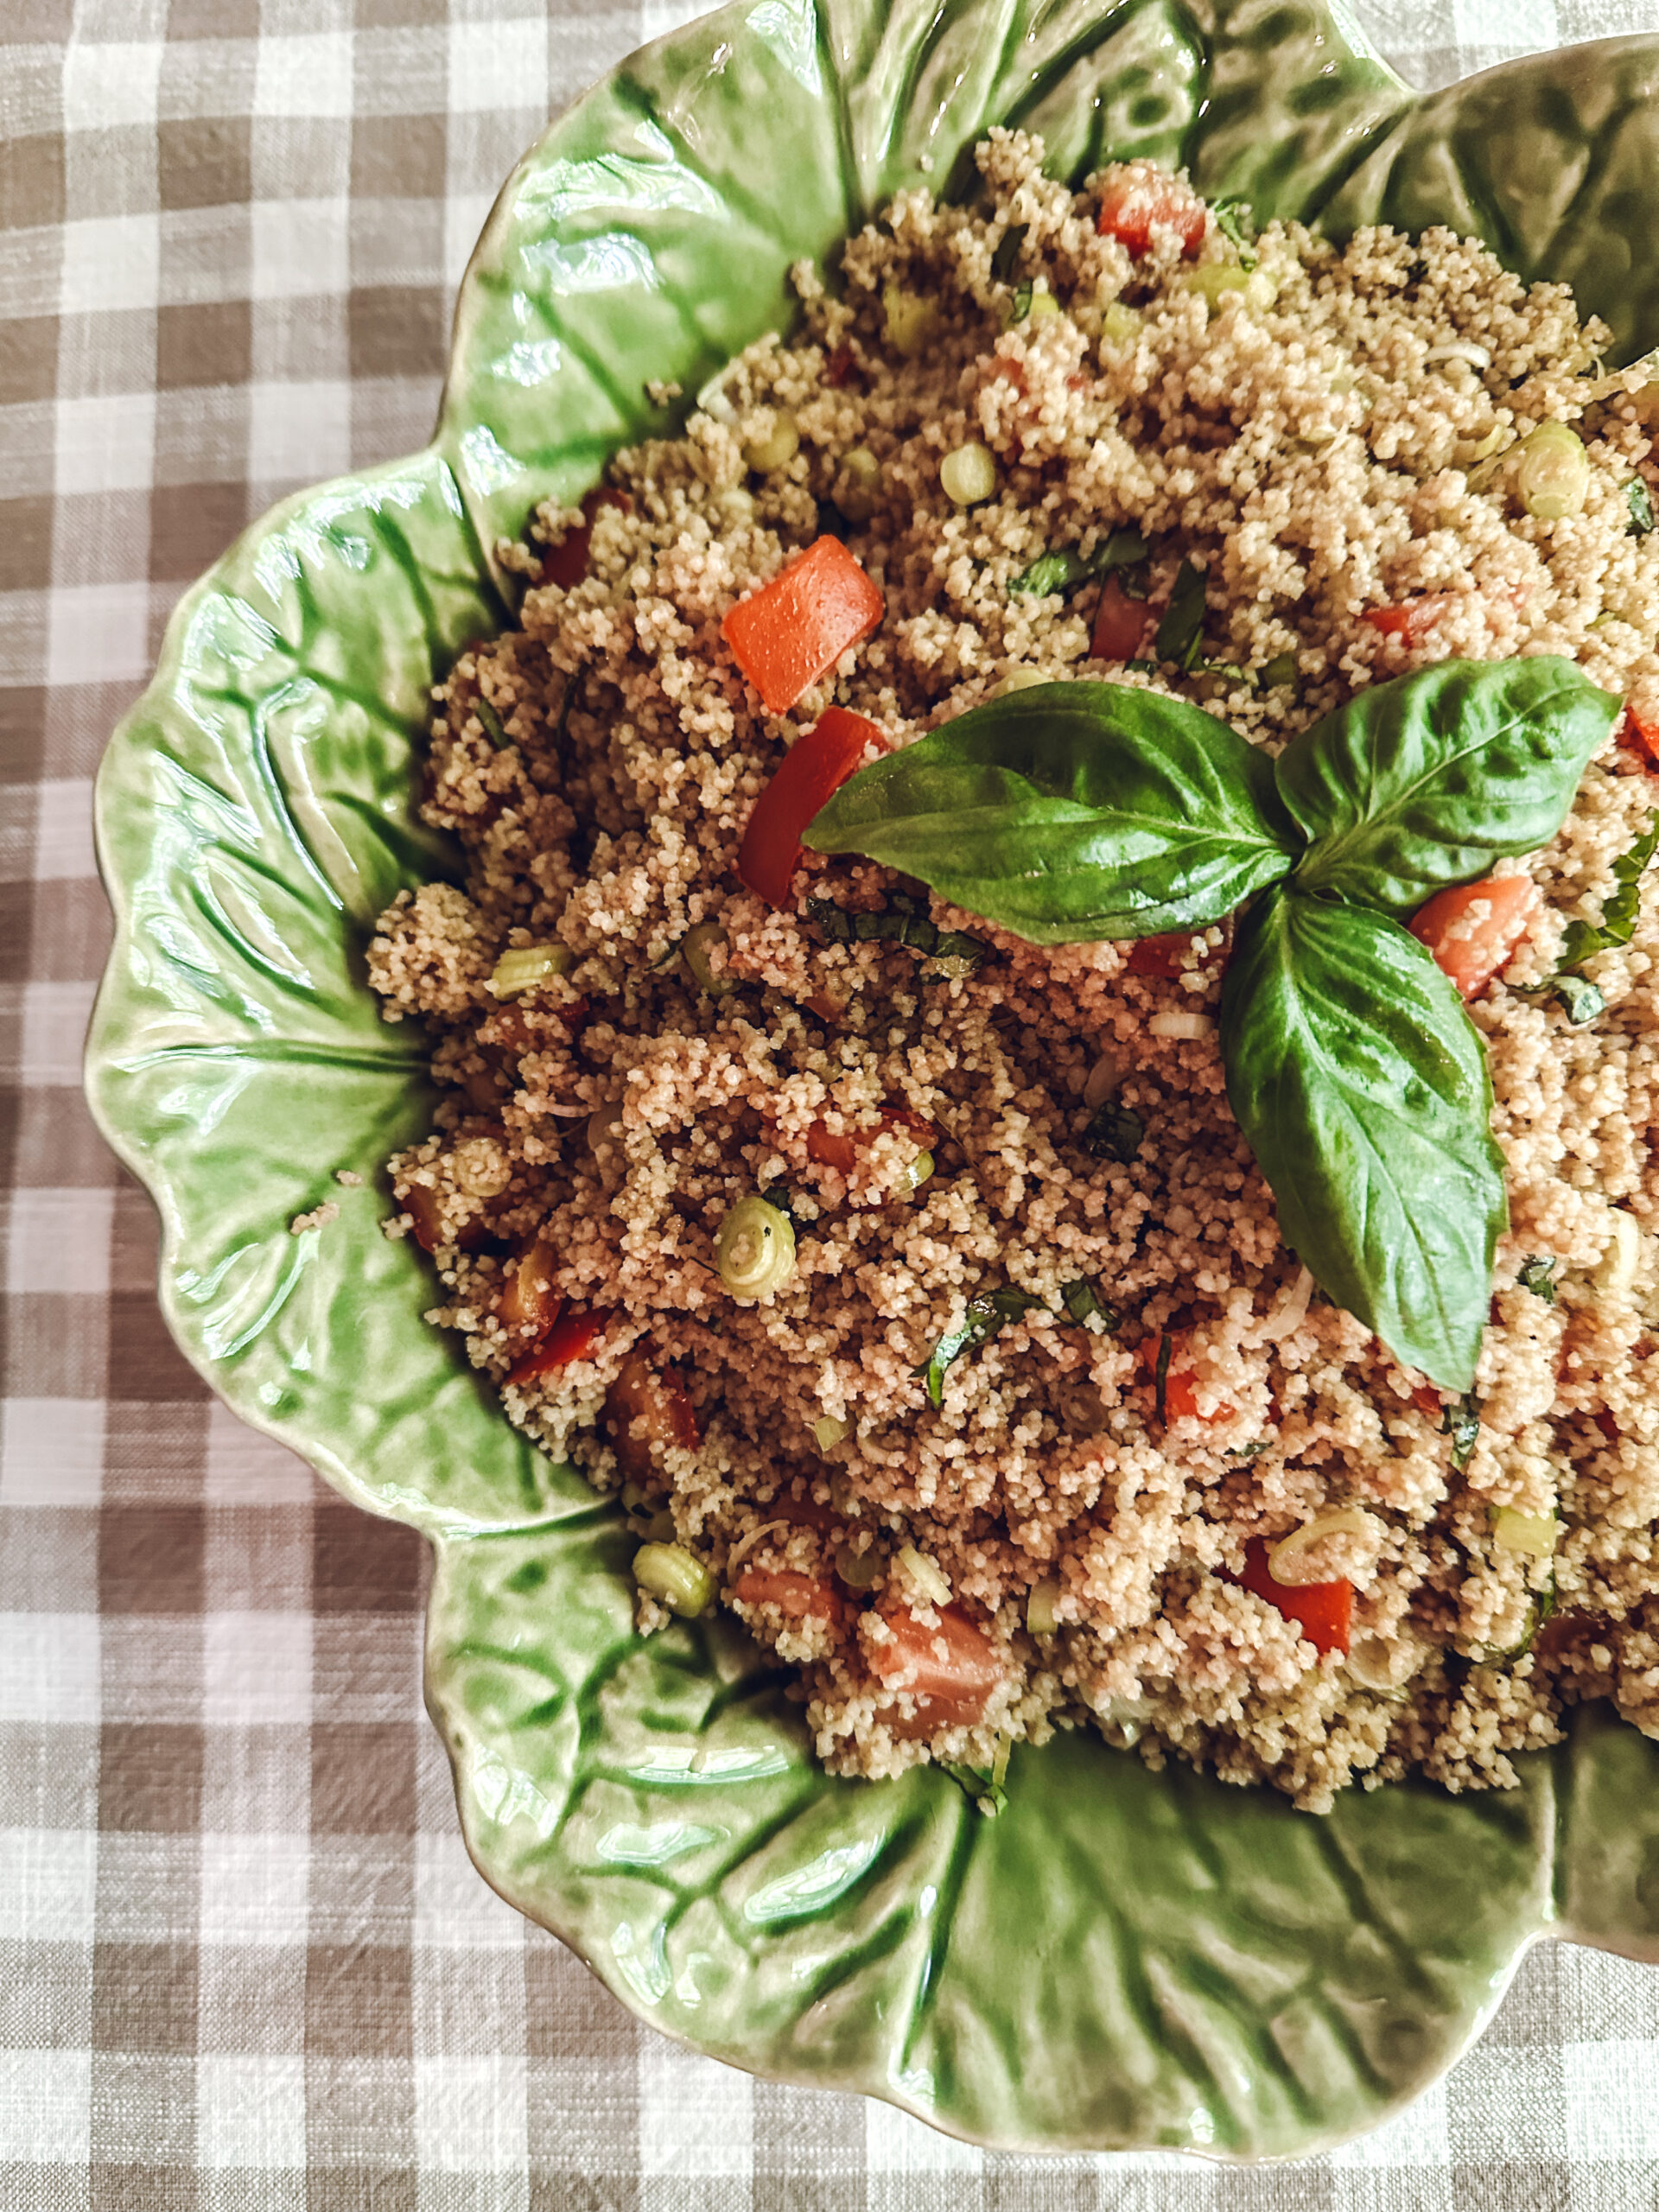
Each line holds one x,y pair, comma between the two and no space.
1420,783
1113,1132
1579,998
1618,915
1181,634
1538,1275
989,1311
1235,220
1007,251
492,723
1052,572
1362,1085
1073,811
1639,500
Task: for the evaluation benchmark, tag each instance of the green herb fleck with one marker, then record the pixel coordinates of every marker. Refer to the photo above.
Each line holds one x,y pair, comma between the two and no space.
1181,634
1083,1305
1639,499
1461,1422
1022,296
904,920
1253,1450
989,1312
836,926
1235,220
1063,570
1538,1275
1113,1132
1008,251
1160,1376
1580,998
493,729
990,1797
1281,669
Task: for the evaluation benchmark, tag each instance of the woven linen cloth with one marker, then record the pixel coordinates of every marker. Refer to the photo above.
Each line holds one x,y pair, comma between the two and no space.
243,1959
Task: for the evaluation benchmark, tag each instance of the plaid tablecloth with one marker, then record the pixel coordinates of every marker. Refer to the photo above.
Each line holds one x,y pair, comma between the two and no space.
244,1960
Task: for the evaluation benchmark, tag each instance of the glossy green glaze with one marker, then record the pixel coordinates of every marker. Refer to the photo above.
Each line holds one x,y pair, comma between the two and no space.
1122,1958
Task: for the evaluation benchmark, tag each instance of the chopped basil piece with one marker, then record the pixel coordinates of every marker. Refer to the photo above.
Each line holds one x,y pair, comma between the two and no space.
1083,1305
836,926
1618,915
989,1311
1113,1132
1235,221
1579,998
1160,1376
1281,669
1461,1422
1022,297
1008,251
1062,571
493,729
957,945
1538,1275
904,920
1181,634
1253,1450
1639,500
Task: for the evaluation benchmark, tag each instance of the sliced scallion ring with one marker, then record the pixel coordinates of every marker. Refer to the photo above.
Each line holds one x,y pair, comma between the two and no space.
754,1250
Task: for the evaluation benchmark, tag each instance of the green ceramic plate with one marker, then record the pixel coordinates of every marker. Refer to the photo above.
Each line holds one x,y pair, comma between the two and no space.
1123,1959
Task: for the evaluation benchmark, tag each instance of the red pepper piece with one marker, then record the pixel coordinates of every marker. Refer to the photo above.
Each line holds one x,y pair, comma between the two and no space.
811,771
1323,1611
1639,735
1131,205
794,629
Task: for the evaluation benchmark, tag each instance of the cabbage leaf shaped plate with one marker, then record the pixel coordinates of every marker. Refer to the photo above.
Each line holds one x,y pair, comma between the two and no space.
1123,1958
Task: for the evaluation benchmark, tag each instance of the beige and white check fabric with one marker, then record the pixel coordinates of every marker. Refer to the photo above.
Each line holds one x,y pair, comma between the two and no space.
244,1962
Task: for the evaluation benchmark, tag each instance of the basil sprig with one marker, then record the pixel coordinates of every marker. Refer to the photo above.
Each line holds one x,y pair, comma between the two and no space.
1088,810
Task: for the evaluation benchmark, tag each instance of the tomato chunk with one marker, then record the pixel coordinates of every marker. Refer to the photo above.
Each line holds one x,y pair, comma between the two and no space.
1639,735
566,563
1120,623
799,1596
647,1409
421,1204
812,771
793,630
1472,945
1409,619
950,1670
838,1148
1180,1385
1428,1401
1323,1611
1138,201
527,1303
572,1337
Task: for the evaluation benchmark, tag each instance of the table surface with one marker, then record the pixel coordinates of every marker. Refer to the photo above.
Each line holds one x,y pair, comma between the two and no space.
243,1959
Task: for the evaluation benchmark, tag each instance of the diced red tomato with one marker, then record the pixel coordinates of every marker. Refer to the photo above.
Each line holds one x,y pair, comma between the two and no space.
1323,1611
566,563
572,1337
1568,1631
811,771
1639,735
1180,1385
794,629
1471,952
1158,956
1409,619
421,1204
1606,1424
805,1513
527,1303
952,1688
1428,1401
1134,202
1120,623
800,1596
647,1410
837,1148
840,367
